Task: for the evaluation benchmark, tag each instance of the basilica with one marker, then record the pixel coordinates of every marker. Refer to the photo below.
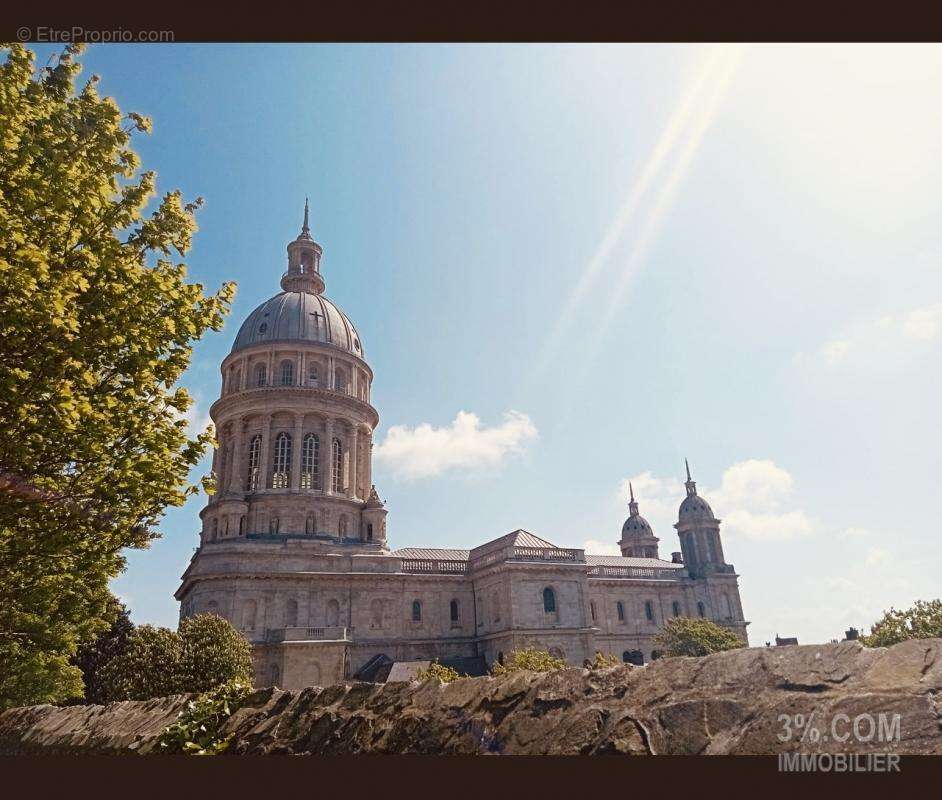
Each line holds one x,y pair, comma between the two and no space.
294,547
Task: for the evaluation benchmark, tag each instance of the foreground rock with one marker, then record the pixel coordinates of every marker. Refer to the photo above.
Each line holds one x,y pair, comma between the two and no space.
746,702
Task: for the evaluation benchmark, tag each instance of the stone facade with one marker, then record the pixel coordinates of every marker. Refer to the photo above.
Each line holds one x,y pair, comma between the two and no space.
293,547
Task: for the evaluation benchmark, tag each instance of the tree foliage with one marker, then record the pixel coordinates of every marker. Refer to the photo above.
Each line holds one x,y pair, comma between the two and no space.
683,636
92,656
205,653
922,621
97,322
528,659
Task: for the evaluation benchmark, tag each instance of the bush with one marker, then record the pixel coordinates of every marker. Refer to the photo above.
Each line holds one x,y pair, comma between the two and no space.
683,636
195,732
528,659
147,667
603,661
439,672
206,652
922,621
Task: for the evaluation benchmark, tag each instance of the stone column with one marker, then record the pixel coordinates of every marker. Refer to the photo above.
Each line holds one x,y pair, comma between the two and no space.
235,469
215,497
352,477
263,465
327,456
368,463
296,452
244,367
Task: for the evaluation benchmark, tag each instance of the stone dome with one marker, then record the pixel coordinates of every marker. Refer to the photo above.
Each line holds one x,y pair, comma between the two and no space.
636,526
299,317
695,506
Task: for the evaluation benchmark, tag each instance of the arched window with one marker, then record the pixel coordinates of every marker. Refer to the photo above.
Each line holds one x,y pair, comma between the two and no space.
453,612
260,376
281,463
675,606
549,601
340,380
273,526
592,609
416,611
291,613
333,613
701,609
342,525
649,610
236,381
274,675
248,615
312,375
310,455
369,531
255,448
287,373
727,607
310,524
215,529
336,465
620,608
242,525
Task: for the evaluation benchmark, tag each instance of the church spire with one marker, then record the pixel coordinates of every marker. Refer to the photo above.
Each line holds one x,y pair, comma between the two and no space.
690,484
632,503
305,228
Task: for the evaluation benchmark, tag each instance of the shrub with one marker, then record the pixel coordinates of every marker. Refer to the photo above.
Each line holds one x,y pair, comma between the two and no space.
528,659
922,621
603,661
196,731
206,652
212,653
683,636
439,672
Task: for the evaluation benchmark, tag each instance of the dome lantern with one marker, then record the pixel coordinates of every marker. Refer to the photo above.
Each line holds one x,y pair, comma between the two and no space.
304,262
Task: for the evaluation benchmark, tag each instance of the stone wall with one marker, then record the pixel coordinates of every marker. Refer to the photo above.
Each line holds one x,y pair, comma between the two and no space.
728,703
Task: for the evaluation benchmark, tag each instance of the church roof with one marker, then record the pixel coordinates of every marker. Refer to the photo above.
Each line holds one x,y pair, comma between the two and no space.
299,317
436,553
627,561
517,538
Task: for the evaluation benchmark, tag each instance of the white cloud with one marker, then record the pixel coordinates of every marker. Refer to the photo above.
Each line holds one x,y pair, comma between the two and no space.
424,450
887,333
597,548
923,323
753,500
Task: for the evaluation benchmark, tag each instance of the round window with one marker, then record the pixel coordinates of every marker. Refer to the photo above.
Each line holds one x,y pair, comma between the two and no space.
263,327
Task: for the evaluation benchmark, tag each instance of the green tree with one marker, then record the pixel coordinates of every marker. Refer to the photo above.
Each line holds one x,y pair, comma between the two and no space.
97,323
528,659
92,656
922,621
212,652
205,653
682,636
149,666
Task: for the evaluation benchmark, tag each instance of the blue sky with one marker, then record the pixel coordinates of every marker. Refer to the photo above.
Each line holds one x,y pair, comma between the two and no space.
613,257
